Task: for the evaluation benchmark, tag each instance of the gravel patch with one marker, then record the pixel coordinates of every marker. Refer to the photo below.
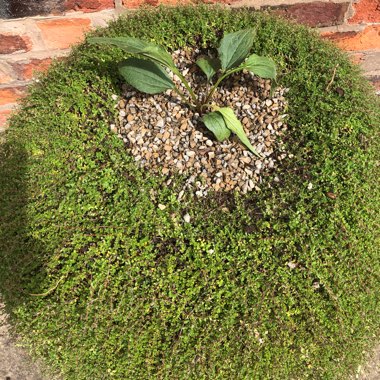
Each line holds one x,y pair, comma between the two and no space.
167,136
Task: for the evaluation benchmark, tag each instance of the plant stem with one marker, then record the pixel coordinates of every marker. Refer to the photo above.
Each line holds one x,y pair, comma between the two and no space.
186,84
181,94
225,75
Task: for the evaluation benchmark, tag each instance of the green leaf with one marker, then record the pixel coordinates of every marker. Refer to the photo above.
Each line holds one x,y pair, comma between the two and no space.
146,76
139,47
234,48
262,66
236,127
209,66
215,123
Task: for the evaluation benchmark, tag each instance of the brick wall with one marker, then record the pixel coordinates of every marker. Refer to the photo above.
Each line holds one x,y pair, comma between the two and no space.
28,44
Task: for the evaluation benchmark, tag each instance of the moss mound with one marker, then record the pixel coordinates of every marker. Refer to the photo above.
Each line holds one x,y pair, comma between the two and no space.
277,285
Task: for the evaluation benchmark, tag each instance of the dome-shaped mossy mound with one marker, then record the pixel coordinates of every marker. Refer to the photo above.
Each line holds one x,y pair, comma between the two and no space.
277,284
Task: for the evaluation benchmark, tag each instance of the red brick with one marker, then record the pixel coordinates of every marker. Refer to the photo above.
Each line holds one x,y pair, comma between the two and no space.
11,94
3,118
88,5
367,39
314,14
62,33
14,43
26,70
132,3
366,11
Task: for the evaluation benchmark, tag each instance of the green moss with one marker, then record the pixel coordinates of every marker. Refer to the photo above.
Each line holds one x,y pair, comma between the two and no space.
129,291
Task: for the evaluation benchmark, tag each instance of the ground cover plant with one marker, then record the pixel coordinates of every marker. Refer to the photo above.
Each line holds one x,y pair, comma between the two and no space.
276,284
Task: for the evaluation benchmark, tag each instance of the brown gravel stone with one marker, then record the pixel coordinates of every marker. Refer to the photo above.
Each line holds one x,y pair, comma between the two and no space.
166,136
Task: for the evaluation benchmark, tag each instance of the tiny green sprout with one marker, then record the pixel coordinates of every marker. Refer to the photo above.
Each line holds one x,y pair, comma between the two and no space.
145,71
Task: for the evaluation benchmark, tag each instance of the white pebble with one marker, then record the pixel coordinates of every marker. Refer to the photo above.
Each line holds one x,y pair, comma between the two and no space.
186,218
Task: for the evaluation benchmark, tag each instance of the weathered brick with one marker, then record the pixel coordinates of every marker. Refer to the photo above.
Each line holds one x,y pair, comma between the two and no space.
132,3
10,43
62,33
28,8
11,94
6,73
366,11
314,14
367,39
88,5
26,70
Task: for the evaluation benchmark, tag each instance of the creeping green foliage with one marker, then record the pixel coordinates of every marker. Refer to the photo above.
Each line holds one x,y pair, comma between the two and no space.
279,284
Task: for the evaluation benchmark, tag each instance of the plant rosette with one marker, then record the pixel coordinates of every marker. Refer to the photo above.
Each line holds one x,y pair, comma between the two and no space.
146,71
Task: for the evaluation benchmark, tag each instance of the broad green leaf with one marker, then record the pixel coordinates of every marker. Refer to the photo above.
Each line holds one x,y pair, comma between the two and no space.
146,76
236,127
262,66
209,66
234,48
139,47
215,123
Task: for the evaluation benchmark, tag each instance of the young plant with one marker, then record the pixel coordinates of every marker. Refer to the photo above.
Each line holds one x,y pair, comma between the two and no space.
145,71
